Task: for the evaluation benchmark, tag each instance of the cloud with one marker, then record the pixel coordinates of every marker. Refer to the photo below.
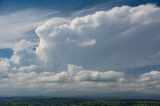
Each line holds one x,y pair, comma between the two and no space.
88,43
120,38
151,76
17,24
148,82
151,80
74,56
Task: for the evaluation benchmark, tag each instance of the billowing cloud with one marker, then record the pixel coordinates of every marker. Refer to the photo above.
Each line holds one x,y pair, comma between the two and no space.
120,38
151,80
82,55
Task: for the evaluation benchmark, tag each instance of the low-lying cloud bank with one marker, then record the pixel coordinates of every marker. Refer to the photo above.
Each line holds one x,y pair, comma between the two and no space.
73,56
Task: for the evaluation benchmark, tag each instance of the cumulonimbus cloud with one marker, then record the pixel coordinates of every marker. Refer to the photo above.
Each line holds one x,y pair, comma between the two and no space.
122,37
75,55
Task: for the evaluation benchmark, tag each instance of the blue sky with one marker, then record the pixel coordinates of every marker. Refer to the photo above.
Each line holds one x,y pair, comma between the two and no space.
58,46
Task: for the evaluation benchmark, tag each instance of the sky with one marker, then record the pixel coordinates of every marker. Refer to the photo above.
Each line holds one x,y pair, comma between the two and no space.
80,48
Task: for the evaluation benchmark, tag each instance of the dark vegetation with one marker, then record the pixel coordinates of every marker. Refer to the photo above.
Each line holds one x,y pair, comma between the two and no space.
38,101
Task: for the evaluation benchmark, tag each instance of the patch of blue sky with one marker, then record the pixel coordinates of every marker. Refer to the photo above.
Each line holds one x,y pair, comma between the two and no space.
6,53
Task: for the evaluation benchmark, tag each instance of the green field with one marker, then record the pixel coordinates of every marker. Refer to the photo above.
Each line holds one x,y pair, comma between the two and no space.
38,101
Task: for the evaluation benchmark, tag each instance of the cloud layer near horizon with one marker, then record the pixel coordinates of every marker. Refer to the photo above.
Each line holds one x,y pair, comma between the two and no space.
80,56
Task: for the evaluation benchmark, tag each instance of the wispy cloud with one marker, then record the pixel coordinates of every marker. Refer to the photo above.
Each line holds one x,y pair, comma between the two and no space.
16,24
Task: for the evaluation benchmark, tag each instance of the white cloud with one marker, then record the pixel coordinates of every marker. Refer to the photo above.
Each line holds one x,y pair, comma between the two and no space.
88,46
34,77
151,76
150,80
87,43
120,38
17,24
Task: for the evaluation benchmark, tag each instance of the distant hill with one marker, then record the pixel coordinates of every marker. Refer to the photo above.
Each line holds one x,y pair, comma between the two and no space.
48,101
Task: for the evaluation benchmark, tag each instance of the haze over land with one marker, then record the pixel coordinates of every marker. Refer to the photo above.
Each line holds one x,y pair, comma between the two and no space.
95,48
